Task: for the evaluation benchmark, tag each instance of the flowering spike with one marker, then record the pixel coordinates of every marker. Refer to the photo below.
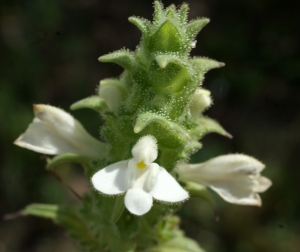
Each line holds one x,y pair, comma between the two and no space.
153,120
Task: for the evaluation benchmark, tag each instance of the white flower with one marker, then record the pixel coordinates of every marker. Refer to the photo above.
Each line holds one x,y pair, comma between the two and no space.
53,131
235,177
141,178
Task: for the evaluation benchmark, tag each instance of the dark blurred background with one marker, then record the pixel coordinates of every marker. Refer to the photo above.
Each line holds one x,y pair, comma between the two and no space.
49,52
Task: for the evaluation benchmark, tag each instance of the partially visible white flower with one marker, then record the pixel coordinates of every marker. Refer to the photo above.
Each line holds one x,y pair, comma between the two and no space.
235,177
201,100
141,178
54,131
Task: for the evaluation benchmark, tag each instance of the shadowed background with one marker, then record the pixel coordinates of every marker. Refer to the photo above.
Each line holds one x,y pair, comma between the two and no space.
49,52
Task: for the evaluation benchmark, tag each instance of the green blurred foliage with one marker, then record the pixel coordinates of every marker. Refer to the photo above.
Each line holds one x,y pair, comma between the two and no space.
49,52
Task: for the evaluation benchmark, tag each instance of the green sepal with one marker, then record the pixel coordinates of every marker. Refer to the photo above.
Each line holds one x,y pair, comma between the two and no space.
123,58
118,208
169,133
208,125
195,26
199,191
66,158
166,39
203,65
141,23
94,102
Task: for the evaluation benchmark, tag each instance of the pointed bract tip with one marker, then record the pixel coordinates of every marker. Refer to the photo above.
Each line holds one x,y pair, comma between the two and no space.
228,135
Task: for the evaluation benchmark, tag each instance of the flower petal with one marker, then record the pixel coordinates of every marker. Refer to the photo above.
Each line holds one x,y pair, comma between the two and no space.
152,175
145,150
53,131
238,191
167,188
112,179
137,201
263,184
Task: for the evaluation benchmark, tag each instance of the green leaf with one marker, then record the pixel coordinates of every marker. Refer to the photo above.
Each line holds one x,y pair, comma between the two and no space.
194,27
94,102
63,215
208,125
67,217
118,208
123,58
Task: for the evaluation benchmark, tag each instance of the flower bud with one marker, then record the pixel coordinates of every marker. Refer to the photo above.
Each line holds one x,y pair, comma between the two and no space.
112,93
201,100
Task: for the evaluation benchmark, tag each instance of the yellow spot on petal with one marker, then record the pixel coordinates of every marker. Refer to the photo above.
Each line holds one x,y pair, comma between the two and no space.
141,165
